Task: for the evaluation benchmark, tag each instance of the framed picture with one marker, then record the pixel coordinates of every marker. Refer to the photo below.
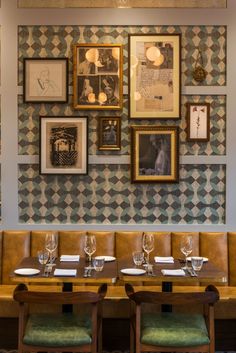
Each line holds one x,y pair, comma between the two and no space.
154,76
109,138
45,80
154,154
63,145
98,76
198,122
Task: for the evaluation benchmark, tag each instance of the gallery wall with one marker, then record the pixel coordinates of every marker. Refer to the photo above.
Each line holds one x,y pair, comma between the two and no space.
106,198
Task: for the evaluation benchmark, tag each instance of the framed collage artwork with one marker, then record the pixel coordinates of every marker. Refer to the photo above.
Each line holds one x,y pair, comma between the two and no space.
154,76
98,74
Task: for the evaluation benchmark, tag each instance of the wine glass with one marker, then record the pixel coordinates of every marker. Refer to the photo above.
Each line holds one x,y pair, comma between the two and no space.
186,247
148,244
90,246
51,243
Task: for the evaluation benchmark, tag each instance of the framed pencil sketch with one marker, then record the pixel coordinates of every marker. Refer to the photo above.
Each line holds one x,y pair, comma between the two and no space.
45,80
109,138
98,74
63,145
154,154
154,76
198,122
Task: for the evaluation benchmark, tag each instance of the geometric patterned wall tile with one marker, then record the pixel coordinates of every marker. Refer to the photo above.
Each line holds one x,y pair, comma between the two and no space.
106,196
57,41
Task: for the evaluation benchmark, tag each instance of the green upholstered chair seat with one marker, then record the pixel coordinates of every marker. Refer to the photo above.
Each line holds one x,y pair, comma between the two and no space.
54,330
172,329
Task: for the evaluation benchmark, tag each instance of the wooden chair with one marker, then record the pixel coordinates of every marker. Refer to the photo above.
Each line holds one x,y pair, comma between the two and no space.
172,331
59,332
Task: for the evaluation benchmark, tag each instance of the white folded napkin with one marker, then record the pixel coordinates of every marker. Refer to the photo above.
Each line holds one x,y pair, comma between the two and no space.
178,272
70,258
64,272
164,259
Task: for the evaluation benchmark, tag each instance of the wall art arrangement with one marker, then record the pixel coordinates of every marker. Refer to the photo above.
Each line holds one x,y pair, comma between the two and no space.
151,62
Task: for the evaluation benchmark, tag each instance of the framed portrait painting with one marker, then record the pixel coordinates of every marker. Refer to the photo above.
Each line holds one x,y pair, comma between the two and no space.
109,138
154,76
98,74
154,154
45,80
63,145
198,122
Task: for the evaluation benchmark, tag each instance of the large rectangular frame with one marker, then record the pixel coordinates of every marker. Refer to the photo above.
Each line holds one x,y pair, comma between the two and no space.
45,80
154,154
98,76
198,122
154,76
63,145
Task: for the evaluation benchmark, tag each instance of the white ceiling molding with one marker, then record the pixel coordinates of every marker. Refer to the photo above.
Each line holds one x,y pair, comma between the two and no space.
122,3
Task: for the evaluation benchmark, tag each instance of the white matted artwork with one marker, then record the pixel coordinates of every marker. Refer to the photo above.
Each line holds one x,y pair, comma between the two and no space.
46,80
198,122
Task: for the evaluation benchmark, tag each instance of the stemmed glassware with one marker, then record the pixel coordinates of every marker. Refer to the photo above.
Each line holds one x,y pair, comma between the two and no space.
51,243
148,245
90,246
186,247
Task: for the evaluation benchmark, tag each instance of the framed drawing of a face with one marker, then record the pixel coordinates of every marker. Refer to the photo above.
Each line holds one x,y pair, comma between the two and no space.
154,154
45,80
98,74
198,122
154,76
63,145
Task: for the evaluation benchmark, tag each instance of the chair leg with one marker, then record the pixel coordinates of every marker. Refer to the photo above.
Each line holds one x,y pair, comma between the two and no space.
100,337
132,338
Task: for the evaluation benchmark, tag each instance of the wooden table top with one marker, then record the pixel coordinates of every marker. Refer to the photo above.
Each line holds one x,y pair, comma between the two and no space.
108,275
209,273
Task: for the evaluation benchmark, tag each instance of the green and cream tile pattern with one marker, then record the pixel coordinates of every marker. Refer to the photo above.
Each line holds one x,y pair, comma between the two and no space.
105,196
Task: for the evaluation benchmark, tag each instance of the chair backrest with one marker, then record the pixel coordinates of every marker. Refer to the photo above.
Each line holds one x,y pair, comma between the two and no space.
210,296
22,295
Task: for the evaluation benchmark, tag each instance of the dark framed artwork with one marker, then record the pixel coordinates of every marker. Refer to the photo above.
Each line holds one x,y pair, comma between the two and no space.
198,122
154,154
154,76
98,75
109,134
63,145
45,80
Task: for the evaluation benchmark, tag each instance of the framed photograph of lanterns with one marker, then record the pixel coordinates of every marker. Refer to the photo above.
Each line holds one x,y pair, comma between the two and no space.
63,145
154,154
97,76
109,138
154,76
198,122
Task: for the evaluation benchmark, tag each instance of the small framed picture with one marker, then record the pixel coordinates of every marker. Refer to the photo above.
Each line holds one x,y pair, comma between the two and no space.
98,76
198,122
45,80
154,76
63,145
109,138
154,154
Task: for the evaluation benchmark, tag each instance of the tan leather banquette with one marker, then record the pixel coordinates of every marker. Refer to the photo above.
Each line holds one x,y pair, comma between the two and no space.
220,248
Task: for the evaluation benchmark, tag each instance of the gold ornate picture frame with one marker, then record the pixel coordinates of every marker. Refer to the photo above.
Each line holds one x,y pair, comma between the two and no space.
154,76
154,154
98,76
109,133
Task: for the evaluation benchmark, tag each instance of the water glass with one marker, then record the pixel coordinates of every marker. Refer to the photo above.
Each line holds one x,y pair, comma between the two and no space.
43,257
138,258
98,264
197,262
